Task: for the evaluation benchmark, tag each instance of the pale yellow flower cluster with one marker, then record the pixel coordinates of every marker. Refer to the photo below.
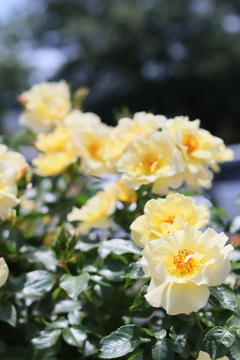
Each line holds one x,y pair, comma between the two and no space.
181,260
12,167
57,151
147,149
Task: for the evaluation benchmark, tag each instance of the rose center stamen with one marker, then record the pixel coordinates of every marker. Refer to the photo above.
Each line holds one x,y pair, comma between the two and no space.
183,261
169,219
150,162
190,142
93,149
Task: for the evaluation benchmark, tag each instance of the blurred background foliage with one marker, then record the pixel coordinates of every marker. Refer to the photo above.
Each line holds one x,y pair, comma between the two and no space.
170,57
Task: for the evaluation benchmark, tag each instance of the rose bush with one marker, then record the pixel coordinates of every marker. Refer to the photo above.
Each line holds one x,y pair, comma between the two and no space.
110,246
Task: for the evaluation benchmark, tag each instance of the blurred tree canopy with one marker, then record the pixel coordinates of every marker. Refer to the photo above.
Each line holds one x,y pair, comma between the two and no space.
170,57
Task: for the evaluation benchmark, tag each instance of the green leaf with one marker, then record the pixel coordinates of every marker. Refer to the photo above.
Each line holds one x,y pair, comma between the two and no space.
74,285
56,292
219,212
122,341
46,339
181,347
136,271
38,283
235,349
8,312
74,336
179,330
217,341
75,317
118,247
66,306
140,303
225,297
162,351
113,271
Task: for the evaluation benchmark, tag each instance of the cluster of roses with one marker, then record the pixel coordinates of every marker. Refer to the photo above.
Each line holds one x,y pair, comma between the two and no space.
151,150
148,149
12,167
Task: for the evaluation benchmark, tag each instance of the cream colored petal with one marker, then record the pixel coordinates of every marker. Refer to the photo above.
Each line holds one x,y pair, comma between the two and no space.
156,251
186,238
219,270
203,356
177,298
140,234
210,243
161,185
165,228
3,271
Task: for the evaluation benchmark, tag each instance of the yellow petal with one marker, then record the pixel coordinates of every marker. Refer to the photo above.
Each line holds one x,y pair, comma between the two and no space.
177,298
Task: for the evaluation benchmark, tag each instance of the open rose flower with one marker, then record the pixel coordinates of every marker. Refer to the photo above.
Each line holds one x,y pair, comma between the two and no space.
96,212
3,271
45,105
127,129
162,216
152,160
200,150
183,266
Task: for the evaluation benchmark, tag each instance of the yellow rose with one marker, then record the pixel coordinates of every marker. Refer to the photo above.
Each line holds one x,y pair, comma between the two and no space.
205,356
96,212
183,266
15,160
127,129
8,200
152,160
3,271
199,149
91,142
125,193
45,105
162,216
53,163
60,139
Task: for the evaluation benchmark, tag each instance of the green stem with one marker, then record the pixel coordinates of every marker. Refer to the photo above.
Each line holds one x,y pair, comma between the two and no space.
98,315
198,322
65,266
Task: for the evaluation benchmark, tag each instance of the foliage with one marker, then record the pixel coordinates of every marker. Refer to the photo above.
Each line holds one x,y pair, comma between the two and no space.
75,294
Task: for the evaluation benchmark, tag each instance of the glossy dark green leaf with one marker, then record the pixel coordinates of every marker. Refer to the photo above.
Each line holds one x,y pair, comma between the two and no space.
225,296
38,283
235,349
140,302
179,330
136,271
8,312
118,247
74,285
216,341
122,341
162,350
46,339
181,347
74,336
